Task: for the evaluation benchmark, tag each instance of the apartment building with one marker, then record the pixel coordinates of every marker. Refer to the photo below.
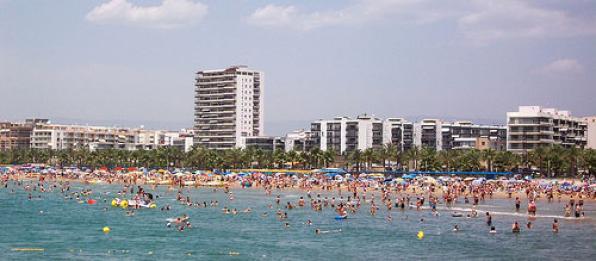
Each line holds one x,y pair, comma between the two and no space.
533,126
427,134
59,137
17,135
466,135
229,106
299,140
265,143
591,132
343,134
399,132
439,135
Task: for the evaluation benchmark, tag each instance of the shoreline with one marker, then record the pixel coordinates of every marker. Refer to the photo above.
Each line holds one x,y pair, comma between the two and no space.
318,189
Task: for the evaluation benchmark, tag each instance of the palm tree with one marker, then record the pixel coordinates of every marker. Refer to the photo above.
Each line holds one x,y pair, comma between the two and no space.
304,159
428,160
413,155
572,156
470,160
279,157
447,158
537,157
292,156
393,152
488,156
384,153
589,158
328,157
369,156
355,158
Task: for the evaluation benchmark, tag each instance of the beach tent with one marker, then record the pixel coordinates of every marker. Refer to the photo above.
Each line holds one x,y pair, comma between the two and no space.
478,182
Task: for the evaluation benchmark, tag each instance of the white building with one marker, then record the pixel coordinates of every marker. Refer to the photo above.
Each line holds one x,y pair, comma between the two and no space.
533,126
399,132
343,134
59,137
591,132
297,140
427,133
439,135
228,106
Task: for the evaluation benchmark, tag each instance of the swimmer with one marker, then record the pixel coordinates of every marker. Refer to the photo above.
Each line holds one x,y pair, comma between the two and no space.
455,228
493,230
556,226
515,227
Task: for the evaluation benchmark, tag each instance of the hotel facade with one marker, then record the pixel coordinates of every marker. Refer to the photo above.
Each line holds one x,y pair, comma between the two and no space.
229,107
533,126
343,134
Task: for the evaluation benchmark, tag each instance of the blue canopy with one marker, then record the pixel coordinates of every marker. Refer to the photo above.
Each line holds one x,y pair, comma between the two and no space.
409,176
333,170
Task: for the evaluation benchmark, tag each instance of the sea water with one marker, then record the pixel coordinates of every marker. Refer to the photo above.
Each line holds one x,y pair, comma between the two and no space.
68,230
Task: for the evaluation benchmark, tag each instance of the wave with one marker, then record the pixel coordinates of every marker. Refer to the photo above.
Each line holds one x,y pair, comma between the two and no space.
500,213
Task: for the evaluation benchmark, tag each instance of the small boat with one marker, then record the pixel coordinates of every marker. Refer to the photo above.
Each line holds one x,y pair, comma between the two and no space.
341,217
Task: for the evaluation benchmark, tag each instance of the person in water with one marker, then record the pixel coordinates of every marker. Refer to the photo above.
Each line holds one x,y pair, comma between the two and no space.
493,230
515,228
555,226
489,219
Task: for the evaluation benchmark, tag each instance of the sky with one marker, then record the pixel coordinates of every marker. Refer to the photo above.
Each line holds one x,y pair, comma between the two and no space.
132,62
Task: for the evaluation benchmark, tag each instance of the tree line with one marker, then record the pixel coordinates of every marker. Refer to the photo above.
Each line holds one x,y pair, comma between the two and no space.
552,161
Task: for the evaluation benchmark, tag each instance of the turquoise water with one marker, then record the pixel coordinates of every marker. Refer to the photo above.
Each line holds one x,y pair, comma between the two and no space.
69,230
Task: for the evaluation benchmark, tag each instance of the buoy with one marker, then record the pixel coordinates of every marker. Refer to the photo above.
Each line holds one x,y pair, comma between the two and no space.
420,234
124,203
153,205
91,201
106,230
114,203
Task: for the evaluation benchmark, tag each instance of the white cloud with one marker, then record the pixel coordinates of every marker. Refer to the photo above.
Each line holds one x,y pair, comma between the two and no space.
169,14
416,11
481,21
562,66
502,19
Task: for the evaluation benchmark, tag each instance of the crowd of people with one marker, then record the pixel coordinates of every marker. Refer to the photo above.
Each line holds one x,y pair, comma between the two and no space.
318,192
